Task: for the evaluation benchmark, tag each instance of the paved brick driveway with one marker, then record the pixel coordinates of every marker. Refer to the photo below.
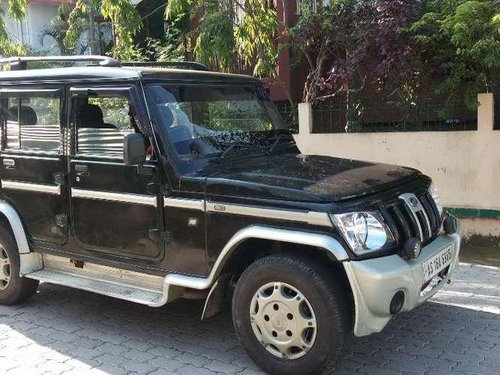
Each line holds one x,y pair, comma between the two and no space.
65,331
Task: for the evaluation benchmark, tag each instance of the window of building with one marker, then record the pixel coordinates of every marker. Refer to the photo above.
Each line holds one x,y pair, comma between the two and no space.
31,122
300,4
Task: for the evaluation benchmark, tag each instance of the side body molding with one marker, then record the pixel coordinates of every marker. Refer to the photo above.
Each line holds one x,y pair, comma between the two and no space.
325,242
29,261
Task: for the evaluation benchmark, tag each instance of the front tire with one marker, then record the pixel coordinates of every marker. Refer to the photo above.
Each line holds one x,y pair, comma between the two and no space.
13,288
291,315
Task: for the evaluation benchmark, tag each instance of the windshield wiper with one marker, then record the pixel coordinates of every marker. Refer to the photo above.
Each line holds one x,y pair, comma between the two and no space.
229,149
276,142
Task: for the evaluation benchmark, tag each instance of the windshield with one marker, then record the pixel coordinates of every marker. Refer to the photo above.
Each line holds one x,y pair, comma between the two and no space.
208,120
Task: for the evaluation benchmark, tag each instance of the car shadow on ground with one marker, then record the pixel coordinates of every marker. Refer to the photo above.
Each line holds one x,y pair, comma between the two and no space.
71,326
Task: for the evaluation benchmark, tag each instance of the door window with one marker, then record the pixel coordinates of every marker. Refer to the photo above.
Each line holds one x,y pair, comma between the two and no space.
102,121
31,122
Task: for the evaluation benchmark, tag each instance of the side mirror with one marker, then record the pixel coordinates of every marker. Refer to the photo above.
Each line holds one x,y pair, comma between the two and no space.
134,149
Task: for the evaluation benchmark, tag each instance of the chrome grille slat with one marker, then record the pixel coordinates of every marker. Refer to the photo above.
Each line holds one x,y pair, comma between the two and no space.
414,216
430,212
401,223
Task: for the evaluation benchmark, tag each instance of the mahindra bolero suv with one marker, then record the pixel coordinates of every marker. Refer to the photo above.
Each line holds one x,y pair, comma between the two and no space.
153,182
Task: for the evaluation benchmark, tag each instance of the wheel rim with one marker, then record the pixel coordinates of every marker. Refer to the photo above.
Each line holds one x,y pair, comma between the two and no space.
4,268
283,320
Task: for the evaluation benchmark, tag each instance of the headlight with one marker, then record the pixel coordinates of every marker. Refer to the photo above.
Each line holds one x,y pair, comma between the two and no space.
365,232
434,193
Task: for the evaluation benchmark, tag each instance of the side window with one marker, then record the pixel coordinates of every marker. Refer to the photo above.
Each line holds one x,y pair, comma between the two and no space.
102,121
31,122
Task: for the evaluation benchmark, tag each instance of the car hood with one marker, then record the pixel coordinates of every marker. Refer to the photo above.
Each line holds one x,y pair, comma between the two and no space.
304,178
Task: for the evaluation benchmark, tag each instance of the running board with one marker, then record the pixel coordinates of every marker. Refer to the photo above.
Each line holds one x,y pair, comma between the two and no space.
113,282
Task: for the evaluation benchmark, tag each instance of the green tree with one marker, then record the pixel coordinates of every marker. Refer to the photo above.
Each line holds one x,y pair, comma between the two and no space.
459,41
16,9
57,31
227,35
95,17
353,46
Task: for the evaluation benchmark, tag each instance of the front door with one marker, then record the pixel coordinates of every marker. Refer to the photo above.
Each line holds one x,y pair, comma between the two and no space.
114,208
32,161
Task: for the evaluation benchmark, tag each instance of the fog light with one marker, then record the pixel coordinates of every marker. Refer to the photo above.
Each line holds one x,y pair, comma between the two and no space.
397,302
412,248
450,224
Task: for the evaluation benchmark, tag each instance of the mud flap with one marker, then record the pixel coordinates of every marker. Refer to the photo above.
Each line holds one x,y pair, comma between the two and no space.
216,297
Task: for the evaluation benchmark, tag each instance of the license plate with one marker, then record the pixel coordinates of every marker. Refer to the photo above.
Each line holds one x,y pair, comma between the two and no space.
437,263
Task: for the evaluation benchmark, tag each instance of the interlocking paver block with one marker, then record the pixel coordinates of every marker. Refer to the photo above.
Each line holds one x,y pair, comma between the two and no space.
65,331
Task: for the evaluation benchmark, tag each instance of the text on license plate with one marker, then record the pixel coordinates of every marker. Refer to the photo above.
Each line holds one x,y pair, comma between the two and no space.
437,263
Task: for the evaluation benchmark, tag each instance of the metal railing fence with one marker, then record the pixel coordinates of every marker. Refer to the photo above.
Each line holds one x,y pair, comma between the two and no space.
361,117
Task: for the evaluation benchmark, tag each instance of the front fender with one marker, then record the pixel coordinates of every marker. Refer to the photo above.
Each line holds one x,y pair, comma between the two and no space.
327,243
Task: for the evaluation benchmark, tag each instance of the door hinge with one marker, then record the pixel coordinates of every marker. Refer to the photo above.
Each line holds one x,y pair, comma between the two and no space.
61,220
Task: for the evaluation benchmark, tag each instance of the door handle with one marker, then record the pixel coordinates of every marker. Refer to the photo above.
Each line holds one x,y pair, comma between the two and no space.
81,170
9,163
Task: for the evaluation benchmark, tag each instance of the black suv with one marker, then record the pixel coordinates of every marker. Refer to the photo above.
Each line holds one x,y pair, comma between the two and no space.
151,184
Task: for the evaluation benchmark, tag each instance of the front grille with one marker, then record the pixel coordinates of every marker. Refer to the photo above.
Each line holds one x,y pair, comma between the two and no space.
419,220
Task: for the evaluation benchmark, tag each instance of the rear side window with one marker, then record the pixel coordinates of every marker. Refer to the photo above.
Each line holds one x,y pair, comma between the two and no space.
102,121
31,121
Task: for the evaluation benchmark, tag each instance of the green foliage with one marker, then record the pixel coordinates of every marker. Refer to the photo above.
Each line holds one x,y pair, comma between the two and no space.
16,9
98,17
460,43
167,50
230,35
254,36
125,21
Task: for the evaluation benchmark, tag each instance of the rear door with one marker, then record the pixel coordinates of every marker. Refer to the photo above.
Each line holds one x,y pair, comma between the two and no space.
32,161
115,209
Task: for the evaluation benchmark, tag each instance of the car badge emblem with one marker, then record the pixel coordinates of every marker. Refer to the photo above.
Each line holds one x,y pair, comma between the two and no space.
413,202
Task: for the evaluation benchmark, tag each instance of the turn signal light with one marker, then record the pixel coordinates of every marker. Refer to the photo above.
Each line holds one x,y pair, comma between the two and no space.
450,225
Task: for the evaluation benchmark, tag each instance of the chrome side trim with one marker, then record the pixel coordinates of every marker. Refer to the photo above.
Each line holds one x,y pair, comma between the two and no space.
28,186
328,243
310,217
114,197
190,204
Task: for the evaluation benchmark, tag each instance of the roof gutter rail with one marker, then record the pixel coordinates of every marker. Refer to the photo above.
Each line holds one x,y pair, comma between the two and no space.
21,62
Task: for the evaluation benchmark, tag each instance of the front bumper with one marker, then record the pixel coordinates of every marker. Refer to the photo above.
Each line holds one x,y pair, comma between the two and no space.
375,281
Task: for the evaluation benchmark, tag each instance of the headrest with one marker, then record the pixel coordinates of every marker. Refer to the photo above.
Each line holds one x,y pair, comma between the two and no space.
167,116
90,116
27,115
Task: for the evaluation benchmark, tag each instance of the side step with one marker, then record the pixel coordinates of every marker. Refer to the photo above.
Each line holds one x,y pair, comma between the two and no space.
113,282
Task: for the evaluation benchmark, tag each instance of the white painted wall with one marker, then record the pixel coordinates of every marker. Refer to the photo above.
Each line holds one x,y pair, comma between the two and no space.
465,165
27,31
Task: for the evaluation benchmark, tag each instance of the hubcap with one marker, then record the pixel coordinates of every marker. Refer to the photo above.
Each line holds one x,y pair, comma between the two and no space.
283,320
4,268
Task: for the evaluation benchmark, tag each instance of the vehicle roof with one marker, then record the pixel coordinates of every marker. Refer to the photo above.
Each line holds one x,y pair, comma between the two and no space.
98,73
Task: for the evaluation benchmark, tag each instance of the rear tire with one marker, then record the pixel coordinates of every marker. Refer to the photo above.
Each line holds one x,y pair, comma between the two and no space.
13,288
291,314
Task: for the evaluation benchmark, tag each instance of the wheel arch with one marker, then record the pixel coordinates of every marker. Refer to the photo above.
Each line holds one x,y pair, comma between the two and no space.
252,243
323,242
9,218
9,215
